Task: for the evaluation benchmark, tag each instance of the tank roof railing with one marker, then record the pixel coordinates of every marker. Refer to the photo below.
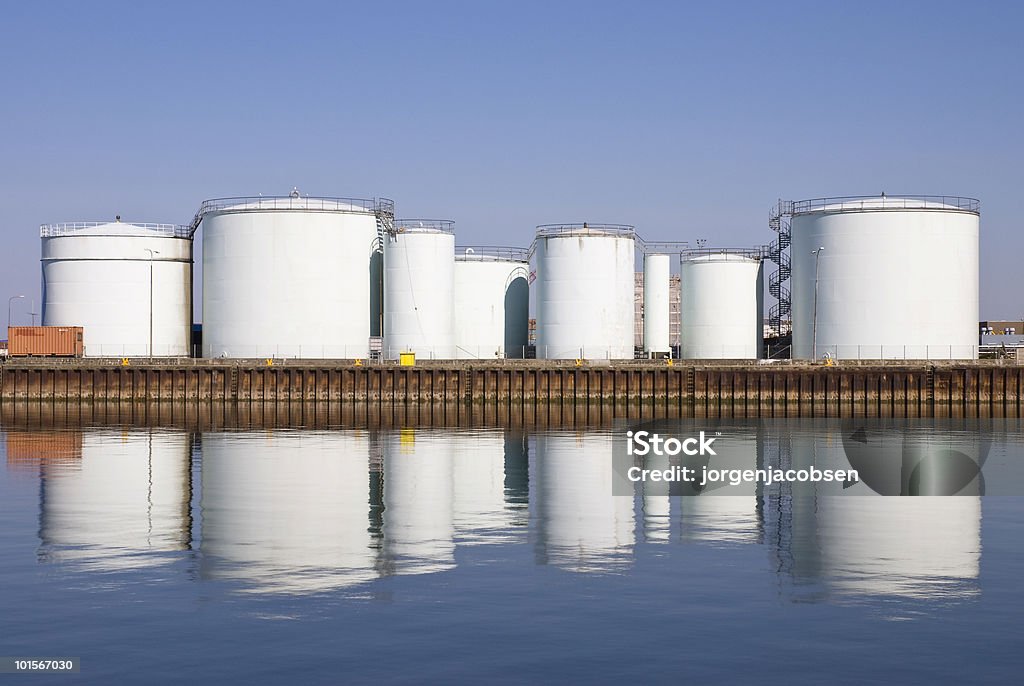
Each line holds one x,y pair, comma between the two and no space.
586,229
425,225
885,201
72,228
493,253
293,201
758,252
661,247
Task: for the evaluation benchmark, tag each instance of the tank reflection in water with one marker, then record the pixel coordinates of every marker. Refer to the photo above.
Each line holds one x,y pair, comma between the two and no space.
121,503
287,511
581,526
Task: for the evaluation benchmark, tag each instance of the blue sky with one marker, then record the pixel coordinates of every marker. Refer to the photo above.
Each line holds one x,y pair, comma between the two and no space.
686,120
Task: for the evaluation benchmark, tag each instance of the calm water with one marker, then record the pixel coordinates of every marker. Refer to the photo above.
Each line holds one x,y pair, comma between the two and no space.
499,556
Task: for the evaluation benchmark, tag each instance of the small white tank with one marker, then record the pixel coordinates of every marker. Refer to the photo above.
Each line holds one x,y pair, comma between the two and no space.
722,304
657,271
419,289
585,291
98,276
492,302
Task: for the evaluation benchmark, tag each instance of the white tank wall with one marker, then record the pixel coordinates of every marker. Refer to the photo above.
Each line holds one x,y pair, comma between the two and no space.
419,294
287,511
127,498
583,527
722,307
288,283
892,284
657,271
98,278
492,302
585,292
419,525
478,486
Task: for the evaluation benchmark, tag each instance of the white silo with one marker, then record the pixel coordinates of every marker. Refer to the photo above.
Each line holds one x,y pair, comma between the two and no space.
492,302
885,278
287,511
722,304
289,277
419,289
123,504
657,271
583,526
419,524
128,285
585,291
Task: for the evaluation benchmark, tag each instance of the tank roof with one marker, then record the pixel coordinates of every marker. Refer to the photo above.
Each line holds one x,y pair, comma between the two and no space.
586,229
114,228
722,255
491,253
886,203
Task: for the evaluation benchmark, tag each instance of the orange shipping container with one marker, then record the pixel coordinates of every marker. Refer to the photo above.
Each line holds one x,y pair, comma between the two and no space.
62,341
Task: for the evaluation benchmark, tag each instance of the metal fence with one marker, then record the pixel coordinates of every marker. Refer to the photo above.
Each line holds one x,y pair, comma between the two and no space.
73,228
860,203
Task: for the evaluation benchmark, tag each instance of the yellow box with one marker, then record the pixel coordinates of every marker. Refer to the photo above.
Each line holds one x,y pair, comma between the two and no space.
407,359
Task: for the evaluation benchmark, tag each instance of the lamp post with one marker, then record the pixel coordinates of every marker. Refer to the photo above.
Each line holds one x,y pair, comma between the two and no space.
814,326
9,301
151,253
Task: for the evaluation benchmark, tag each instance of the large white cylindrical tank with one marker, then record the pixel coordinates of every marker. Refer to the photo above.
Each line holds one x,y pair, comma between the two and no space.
585,291
98,276
288,277
583,526
123,503
492,303
419,523
419,289
657,271
287,511
897,278
722,305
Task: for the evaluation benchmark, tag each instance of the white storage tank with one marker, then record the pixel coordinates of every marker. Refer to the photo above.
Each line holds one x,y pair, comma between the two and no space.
585,291
287,511
897,277
722,304
419,289
123,504
657,272
117,280
492,302
289,276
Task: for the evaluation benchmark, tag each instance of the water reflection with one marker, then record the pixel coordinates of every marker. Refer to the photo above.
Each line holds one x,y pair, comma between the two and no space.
308,511
127,495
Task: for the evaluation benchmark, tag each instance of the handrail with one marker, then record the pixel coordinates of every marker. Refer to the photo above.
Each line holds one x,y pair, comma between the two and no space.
293,202
71,228
757,252
585,229
859,203
424,225
485,253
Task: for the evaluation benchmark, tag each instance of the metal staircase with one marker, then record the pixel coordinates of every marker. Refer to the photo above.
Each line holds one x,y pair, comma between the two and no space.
778,252
385,211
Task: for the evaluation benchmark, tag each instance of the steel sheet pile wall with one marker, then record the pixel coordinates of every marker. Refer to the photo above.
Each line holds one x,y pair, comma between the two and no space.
897,279
97,276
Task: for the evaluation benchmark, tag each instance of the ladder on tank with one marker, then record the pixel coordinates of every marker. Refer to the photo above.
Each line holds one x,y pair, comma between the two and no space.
778,252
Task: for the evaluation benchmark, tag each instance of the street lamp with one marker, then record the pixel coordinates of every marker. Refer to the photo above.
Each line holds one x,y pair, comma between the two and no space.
9,301
814,341
151,253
